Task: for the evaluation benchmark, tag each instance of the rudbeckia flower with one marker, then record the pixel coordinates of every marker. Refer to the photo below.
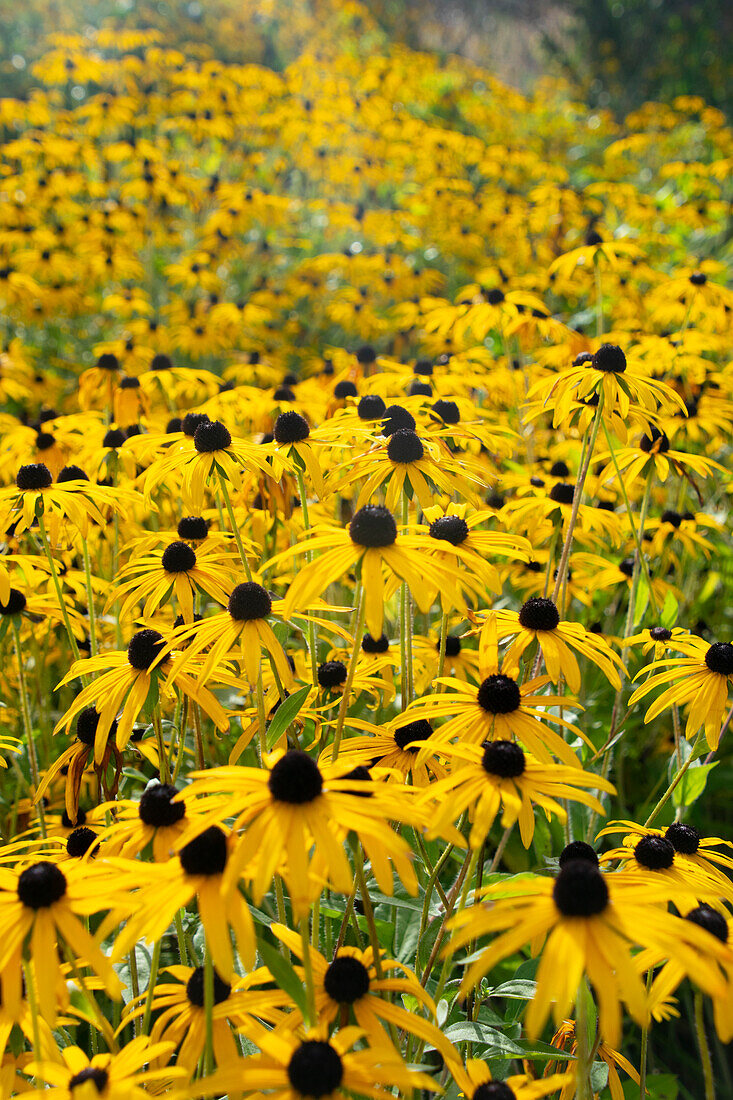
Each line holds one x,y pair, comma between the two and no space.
49,903
371,540
395,749
214,452
119,1076
539,620
196,872
654,450
679,852
500,708
182,1019
671,974
75,759
407,462
131,679
624,387
699,680
591,922
243,624
476,1083
564,1038
354,981
77,502
154,819
499,775
179,570
297,816
300,1067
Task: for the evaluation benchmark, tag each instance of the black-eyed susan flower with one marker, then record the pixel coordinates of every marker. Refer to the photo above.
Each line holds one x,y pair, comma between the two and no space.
678,852
155,819
476,1083
699,680
501,708
395,749
180,571
296,816
500,777
591,922
35,494
119,1076
213,453
564,1039
73,761
372,541
130,681
353,982
625,387
196,872
301,1066
539,620
49,902
182,1017
243,627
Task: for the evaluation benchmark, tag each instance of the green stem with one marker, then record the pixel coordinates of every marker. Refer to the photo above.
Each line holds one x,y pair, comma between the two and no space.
261,717
344,704
578,498
442,645
670,789
310,987
235,527
312,639
707,1065
599,296
32,758
90,598
135,983
33,1006
152,979
368,908
643,1057
635,532
181,939
158,727
582,1085
209,1009
57,586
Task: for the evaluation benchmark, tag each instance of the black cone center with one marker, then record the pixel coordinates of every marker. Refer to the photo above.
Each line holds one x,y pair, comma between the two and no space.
144,648
499,694
346,980
206,854
503,758
249,601
178,558
315,1069
210,436
683,838
373,525
580,890
157,807
654,852
719,658
450,529
195,988
34,476
291,427
41,885
295,778
539,613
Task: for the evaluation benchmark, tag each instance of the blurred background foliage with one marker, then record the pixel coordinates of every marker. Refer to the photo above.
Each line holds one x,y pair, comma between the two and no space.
615,53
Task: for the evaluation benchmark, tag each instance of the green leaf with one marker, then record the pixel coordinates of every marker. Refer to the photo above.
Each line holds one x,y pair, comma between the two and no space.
692,784
642,597
286,712
659,1086
598,1076
668,616
284,975
515,990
